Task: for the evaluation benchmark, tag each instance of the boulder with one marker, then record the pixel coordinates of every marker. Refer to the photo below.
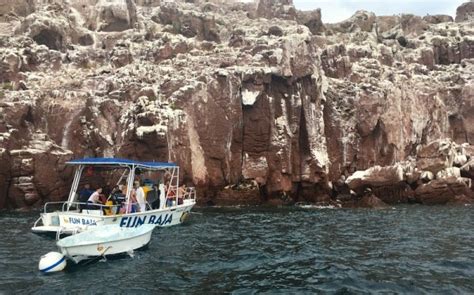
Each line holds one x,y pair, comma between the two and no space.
438,18
371,201
311,19
443,190
394,194
449,172
465,12
413,25
461,200
10,65
426,176
335,61
368,200
282,9
362,20
52,27
375,177
17,7
460,160
48,28
188,23
111,15
436,156
388,27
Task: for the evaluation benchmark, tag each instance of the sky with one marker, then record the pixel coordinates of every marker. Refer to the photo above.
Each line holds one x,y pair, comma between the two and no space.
338,10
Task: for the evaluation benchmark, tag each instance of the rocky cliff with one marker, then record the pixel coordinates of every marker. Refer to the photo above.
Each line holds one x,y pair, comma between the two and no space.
257,102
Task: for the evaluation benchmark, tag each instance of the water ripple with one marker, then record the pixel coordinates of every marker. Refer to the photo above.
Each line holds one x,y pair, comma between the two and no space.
406,249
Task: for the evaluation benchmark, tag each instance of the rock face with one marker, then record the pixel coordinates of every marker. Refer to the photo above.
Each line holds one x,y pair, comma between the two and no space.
436,156
431,179
465,12
282,9
257,102
444,190
18,8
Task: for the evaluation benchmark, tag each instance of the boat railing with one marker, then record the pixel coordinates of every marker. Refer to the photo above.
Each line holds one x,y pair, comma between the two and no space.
53,206
90,206
64,206
72,206
190,193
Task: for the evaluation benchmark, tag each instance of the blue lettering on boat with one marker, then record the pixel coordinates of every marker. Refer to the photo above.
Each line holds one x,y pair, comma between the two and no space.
168,220
140,221
123,221
88,221
74,220
83,221
135,221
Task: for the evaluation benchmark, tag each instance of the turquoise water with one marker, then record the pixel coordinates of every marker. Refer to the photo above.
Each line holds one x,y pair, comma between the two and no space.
407,249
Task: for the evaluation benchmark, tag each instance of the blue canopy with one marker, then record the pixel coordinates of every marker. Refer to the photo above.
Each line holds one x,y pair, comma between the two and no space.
121,162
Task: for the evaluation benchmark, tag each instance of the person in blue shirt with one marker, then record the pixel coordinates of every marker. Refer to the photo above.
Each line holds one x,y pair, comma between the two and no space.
84,194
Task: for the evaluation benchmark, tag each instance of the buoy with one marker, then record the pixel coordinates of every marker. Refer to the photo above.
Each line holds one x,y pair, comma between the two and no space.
52,262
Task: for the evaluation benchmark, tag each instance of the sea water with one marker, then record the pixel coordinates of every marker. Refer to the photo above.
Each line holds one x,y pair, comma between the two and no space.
404,249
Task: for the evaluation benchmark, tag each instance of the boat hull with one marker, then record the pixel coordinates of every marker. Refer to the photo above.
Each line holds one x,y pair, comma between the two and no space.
105,240
71,222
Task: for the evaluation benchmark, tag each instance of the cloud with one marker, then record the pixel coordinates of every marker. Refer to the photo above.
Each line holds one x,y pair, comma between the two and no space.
338,10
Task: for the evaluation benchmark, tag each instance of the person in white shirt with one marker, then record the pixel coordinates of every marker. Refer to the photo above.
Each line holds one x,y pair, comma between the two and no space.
162,195
140,196
94,199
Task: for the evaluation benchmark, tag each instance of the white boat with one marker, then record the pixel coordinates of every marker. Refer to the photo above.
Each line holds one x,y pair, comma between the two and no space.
72,215
105,240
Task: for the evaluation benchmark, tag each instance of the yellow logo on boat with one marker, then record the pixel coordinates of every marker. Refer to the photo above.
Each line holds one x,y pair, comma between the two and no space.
65,220
100,248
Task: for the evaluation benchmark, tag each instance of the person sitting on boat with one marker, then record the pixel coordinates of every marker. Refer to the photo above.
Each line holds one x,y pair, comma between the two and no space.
94,200
140,196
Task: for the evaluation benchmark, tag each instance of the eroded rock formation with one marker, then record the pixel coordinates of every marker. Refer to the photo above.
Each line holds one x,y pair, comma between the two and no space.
257,102
440,174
